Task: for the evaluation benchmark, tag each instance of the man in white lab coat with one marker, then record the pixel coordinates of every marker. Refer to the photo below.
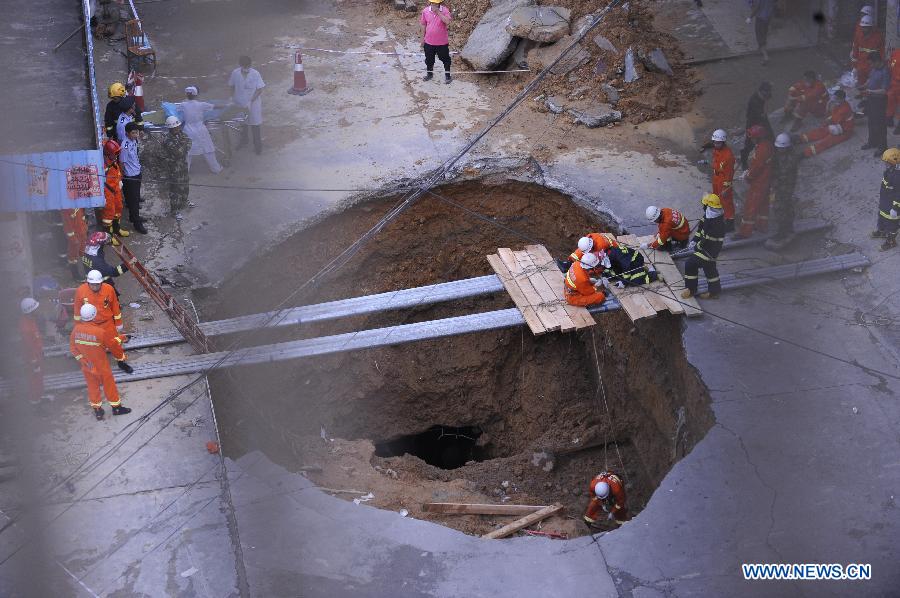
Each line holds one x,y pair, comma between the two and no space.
246,87
195,127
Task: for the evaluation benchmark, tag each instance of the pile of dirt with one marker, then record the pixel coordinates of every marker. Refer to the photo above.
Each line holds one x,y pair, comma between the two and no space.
533,406
653,96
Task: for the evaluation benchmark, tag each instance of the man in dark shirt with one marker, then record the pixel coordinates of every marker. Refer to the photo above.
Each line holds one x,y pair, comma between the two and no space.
876,104
757,114
761,13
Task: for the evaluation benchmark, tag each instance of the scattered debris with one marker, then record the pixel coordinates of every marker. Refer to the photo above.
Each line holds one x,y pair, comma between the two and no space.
598,116
612,94
452,508
544,460
518,524
656,62
403,512
189,572
631,74
554,535
544,56
543,24
134,305
366,498
605,44
555,104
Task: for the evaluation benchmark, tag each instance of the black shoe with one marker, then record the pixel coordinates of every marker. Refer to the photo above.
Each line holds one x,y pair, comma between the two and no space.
139,227
867,146
123,365
428,76
99,413
878,234
119,410
447,79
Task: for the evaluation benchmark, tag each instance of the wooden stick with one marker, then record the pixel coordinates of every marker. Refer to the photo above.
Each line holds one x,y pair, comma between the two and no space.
518,524
68,37
454,508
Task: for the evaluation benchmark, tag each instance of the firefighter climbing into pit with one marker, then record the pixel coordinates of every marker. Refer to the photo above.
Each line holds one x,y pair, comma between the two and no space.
106,313
889,201
707,243
673,232
94,258
89,343
607,496
590,243
581,281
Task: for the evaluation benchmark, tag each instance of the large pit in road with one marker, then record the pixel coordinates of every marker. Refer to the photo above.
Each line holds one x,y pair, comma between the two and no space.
497,416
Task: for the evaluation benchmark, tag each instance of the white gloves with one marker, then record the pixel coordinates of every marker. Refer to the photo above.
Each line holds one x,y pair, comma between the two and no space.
692,245
645,245
893,213
835,129
620,284
749,20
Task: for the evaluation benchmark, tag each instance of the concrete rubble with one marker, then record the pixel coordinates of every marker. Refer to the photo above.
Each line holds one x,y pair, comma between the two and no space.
490,44
544,56
545,24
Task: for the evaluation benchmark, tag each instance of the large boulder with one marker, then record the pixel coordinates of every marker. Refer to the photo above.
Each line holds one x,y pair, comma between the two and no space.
595,116
543,24
544,56
489,44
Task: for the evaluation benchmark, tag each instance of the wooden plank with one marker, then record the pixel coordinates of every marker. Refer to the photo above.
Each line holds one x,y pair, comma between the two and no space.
634,303
548,296
662,261
518,524
522,303
455,508
520,278
581,317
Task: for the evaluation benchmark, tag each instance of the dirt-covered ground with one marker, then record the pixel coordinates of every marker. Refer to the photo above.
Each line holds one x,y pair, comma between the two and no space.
653,96
536,402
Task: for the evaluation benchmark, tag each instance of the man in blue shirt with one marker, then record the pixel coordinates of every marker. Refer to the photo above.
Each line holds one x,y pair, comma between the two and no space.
762,11
130,161
876,104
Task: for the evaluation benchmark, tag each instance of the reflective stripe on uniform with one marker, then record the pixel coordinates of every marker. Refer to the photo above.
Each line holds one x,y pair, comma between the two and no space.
887,215
703,256
716,279
569,282
690,277
87,343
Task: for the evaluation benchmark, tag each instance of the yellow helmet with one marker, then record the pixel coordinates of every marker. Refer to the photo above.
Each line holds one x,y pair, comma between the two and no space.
116,90
712,200
891,156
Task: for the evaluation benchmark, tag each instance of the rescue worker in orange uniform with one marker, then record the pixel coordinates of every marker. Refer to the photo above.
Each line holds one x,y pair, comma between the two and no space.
112,189
837,129
107,313
607,496
32,349
723,175
580,281
756,208
89,343
76,228
592,243
867,40
673,230
807,96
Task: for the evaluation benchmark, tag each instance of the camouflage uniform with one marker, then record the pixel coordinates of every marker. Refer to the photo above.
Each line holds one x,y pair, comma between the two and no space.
175,148
784,180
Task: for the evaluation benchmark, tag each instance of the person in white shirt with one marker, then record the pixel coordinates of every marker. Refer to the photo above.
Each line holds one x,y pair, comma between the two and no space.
126,116
130,161
195,127
246,87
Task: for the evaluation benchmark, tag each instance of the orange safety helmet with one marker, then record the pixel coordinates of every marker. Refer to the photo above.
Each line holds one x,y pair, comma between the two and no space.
111,148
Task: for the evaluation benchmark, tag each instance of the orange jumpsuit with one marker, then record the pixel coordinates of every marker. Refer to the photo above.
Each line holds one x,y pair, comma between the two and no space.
893,101
821,138
579,289
89,343
672,224
109,316
756,208
804,99
112,189
33,355
865,43
602,241
614,503
75,227
723,178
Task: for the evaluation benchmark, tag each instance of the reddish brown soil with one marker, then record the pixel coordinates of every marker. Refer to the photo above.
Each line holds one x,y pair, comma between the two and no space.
526,393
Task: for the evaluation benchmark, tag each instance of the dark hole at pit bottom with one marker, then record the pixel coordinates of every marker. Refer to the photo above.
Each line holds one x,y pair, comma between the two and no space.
447,447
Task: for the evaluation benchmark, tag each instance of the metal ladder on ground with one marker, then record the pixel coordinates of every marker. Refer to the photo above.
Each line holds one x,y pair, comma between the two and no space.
174,310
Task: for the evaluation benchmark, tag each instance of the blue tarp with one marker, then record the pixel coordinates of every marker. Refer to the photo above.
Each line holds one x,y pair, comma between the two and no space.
51,181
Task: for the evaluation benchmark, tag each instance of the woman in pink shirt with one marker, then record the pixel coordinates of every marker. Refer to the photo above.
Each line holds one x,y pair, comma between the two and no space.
435,19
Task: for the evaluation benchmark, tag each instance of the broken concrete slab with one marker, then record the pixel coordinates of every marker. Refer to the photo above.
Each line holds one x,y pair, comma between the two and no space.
631,73
596,116
612,94
544,56
604,44
555,104
521,52
655,61
543,24
489,44
583,24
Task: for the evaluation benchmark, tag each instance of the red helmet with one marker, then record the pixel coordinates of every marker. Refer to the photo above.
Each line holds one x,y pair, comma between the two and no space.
98,238
111,148
757,132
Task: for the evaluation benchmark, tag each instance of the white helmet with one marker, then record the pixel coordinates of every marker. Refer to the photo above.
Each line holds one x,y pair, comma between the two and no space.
867,10
719,135
94,277
585,244
867,21
783,140
653,213
601,490
87,312
590,260
172,122
28,305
